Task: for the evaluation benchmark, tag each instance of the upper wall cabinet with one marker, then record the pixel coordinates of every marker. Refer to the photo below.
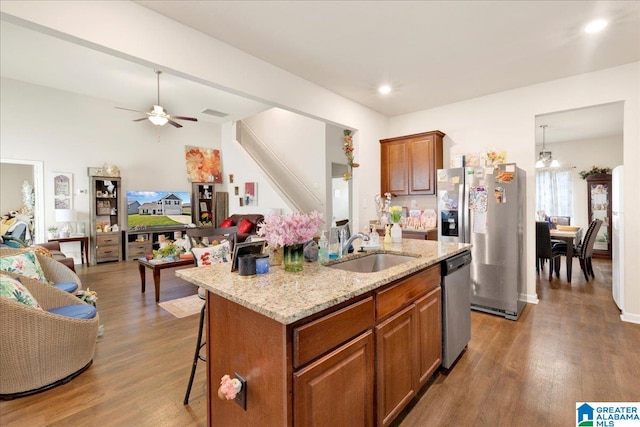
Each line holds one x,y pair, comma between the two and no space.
408,164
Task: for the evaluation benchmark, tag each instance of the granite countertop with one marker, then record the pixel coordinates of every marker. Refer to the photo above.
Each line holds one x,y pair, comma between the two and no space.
287,297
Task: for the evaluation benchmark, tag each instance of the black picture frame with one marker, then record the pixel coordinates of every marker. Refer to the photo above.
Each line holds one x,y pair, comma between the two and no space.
245,248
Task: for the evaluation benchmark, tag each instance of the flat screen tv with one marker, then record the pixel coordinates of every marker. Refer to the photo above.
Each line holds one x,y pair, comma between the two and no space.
147,209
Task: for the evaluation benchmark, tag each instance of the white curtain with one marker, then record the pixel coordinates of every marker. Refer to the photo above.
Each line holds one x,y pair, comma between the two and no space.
554,193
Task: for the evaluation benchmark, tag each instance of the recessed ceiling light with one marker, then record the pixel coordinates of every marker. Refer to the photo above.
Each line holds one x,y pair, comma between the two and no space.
384,89
595,26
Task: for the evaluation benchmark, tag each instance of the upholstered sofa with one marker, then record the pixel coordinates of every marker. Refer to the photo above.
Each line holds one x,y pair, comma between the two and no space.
244,230
58,255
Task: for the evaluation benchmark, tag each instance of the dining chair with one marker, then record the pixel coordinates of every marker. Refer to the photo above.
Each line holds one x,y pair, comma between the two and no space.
546,250
583,250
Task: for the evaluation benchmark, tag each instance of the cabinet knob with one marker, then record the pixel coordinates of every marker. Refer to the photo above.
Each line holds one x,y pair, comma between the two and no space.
229,388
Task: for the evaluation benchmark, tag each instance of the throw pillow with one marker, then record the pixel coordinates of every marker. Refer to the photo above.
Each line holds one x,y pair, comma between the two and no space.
41,250
245,226
212,254
24,264
12,289
226,223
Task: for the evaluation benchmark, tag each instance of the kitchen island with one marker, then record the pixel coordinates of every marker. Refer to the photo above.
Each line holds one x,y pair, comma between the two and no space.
315,347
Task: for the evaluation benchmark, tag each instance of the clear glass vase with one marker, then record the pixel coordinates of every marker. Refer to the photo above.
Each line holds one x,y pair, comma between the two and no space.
275,255
293,257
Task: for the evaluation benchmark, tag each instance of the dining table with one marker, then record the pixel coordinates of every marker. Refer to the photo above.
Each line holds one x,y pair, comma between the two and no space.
571,237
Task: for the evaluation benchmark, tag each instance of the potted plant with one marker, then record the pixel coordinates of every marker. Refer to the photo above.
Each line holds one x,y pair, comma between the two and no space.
595,170
51,232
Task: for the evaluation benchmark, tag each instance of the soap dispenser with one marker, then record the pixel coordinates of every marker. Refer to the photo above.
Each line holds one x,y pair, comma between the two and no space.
387,233
323,248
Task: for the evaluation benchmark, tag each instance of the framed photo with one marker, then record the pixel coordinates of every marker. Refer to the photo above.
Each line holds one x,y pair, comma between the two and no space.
63,190
245,248
250,194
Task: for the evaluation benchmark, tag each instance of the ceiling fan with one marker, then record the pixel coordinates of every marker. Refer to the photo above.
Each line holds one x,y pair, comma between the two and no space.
158,115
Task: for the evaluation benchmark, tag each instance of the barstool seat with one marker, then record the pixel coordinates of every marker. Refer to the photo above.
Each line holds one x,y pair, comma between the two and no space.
199,345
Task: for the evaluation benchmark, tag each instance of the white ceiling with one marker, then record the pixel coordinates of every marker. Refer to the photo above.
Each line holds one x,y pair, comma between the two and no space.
432,52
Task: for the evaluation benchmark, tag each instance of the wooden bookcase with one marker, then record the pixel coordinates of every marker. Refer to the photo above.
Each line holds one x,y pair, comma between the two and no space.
104,216
203,209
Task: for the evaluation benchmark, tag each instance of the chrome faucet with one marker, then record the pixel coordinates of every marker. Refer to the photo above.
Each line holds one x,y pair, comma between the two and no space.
345,247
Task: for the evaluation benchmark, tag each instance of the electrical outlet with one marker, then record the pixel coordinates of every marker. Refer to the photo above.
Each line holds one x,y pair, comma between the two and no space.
414,203
241,397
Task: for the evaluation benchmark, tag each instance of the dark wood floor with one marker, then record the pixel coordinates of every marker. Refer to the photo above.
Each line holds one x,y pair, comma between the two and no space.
571,347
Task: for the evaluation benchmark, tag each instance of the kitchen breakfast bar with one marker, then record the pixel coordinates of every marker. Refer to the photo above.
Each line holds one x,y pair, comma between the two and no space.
324,346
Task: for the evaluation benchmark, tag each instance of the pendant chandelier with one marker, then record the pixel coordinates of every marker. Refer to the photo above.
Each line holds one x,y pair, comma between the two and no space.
545,159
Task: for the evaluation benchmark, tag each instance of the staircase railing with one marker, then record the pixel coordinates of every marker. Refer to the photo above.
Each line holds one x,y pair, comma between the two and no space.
289,186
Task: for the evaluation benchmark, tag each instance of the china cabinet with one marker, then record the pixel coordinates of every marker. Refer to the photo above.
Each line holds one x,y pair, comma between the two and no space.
599,207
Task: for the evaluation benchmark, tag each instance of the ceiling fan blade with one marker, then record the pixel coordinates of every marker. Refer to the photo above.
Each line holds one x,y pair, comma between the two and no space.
129,109
193,119
174,124
143,118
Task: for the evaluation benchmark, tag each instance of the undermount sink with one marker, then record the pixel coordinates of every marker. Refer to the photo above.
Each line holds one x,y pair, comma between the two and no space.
372,263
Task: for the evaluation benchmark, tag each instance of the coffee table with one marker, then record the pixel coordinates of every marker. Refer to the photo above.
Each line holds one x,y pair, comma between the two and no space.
158,265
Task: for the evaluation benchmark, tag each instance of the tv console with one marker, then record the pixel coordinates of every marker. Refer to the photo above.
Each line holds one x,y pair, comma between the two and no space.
139,243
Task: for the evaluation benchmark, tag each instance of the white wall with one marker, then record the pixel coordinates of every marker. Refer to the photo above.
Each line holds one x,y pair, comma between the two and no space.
70,133
236,161
583,155
506,121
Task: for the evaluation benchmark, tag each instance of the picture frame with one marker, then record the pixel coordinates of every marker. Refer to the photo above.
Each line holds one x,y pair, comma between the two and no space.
63,190
245,248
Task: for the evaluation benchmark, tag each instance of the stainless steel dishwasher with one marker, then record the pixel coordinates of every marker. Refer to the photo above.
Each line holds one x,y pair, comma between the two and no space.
456,306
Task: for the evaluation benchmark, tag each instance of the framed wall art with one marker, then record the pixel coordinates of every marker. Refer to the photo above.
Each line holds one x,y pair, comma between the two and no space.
203,164
63,190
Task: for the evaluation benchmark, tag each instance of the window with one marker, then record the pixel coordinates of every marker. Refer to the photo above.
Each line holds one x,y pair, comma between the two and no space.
554,194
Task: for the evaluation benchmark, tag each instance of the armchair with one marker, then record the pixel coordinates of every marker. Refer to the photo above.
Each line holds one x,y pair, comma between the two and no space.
41,350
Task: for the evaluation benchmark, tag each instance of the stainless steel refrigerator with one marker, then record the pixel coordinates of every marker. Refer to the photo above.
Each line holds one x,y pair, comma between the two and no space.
485,206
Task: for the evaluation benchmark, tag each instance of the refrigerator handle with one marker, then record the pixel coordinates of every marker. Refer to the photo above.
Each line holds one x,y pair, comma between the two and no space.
465,219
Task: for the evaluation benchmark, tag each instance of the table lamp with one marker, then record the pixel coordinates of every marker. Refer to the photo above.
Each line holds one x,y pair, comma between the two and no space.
65,216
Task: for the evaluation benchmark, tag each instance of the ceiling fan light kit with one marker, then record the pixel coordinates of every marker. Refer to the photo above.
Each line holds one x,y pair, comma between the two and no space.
158,115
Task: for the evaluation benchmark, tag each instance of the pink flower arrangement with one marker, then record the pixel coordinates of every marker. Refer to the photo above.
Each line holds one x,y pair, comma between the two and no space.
292,229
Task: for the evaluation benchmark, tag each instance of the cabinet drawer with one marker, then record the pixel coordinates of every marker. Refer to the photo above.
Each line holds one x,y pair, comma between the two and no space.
321,335
407,291
107,239
138,250
107,251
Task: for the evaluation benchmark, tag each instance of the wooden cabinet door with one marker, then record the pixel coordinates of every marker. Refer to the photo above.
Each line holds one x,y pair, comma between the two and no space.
429,343
396,381
337,389
423,163
408,164
394,168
